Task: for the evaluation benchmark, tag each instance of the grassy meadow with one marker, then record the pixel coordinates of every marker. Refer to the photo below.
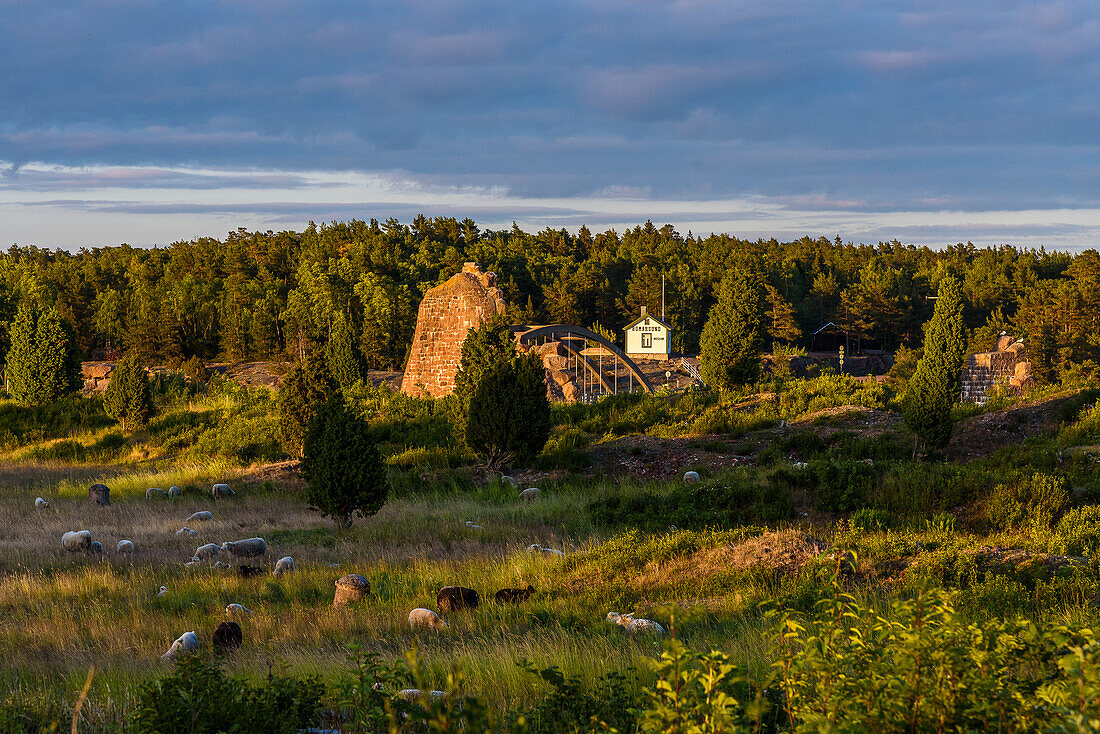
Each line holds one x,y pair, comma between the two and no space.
781,517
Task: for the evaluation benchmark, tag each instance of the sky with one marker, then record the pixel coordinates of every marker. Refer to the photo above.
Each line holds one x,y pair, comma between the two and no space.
931,122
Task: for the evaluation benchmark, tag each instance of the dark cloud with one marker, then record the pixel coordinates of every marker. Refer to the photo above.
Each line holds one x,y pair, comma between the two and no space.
986,104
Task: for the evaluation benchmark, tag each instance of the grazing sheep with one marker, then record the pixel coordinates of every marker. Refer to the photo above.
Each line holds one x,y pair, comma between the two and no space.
508,480
227,637
691,477
412,694
77,541
283,565
250,548
96,548
514,596
221,491
248,572
530,494
201,516
634,625
536,548
207,552
186,531
456,598
163,592
153,493
425,619
219,564
187,642
124,548
40,504
193,562
173,492
237,610
474,526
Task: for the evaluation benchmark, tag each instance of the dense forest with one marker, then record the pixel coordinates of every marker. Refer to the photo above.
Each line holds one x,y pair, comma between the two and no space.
260,295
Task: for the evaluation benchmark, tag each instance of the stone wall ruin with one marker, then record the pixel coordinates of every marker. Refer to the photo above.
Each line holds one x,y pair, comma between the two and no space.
1003,369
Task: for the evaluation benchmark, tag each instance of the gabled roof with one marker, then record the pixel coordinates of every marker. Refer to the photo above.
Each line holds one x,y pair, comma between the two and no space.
633,323
826,326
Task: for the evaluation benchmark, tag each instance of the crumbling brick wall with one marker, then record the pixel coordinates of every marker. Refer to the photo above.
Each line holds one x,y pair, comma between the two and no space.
447,312
1005,368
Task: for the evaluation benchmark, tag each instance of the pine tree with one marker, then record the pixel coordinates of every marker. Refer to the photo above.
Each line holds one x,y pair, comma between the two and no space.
128,398
44,360
509,414
344,471
345,362
733,337
305,388
934,387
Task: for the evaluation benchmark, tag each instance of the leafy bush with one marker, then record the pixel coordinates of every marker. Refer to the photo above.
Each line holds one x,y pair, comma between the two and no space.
1078,532
1032,502
868,520
842,485
199,697
572,706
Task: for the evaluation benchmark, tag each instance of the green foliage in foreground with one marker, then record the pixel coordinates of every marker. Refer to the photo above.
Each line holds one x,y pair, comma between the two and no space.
343,469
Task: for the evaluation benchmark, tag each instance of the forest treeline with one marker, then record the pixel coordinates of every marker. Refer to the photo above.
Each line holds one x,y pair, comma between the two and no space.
262,295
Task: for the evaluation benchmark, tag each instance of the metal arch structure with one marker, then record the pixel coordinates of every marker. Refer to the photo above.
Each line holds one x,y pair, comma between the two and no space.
555,332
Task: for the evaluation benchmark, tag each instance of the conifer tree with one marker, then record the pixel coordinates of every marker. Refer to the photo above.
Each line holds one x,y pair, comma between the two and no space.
345,362
44,361
733,337
128,398
344,471
305,388
489,344
509,414
934,387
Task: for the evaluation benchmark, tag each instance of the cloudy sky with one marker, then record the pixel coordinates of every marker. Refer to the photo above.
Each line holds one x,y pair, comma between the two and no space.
932,121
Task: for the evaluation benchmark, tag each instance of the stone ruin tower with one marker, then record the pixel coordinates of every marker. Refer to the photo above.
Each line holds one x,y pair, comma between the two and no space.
1003,369
447,312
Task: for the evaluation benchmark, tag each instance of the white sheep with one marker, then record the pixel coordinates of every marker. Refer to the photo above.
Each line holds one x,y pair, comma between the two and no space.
201,516
173,492
508,480
162,592
473,526
154,493
249,548
691,477
193,562
40,503
186,532
635,625
530,494
207,552
425,619
77,541
536,548
187,642
237,610
283,565
124,548
220,491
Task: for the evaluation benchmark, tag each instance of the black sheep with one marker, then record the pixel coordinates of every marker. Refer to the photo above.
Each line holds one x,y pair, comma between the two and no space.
248,572
227,637
454,598
515,595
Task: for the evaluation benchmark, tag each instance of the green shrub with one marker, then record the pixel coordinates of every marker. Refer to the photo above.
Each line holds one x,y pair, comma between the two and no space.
128,398
842,485
199,697
1078,532
1031,502
572,706
867,520
306,387
343,469
509,413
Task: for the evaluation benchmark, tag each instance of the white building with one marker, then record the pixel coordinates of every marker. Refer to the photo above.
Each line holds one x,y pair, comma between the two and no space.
648,337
